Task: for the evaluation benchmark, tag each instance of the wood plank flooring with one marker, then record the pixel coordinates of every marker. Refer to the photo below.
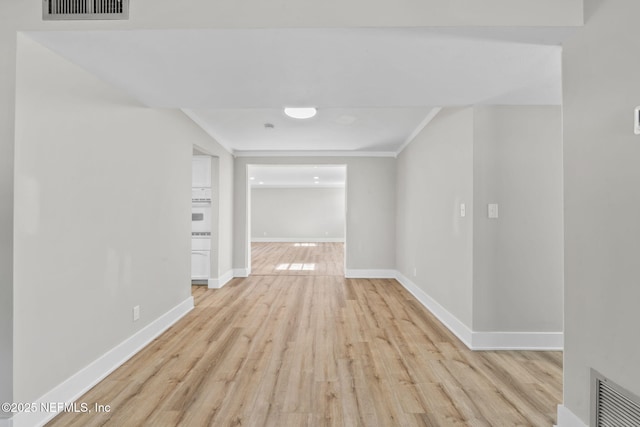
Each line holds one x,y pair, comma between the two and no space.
320,350
298,259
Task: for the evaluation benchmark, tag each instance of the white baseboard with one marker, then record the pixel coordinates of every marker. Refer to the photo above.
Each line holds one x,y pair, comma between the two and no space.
458,328
477,340
296,239
241,272
549,341
566,418
351,273
220,281
79,383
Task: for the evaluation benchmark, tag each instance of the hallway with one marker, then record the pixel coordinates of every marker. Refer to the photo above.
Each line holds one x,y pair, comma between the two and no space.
302,349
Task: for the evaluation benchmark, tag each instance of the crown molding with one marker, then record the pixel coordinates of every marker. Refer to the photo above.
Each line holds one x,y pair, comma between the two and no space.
311,153
423,124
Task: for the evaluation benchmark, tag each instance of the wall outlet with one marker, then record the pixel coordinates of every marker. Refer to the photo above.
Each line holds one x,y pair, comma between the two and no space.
415,271
463,210
136,313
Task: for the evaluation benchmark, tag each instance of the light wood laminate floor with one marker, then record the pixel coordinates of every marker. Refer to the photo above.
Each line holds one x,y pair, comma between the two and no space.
298,259
320,350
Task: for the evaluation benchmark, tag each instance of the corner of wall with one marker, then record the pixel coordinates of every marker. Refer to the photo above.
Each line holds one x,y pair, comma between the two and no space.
476,340
218,282
566,418
458,328
82,381
241,272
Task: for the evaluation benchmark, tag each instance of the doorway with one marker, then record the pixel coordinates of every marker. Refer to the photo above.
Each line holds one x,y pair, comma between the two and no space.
297,258
297,219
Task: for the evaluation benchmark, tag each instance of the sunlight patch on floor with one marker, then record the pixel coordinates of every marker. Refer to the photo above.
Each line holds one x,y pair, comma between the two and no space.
296,267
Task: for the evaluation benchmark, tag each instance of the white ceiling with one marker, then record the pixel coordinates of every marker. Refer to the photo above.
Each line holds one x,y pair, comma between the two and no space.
275,176
361,129
373,87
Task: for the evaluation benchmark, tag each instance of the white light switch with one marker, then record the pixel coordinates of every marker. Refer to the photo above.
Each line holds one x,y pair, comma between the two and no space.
492,210
463,210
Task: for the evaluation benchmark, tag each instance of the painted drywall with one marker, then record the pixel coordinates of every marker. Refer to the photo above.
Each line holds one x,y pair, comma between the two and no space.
435,175
370,200
358,13
102,212
226,216
518,257
297,213
215,218
601,175
493,275
331,13
7,78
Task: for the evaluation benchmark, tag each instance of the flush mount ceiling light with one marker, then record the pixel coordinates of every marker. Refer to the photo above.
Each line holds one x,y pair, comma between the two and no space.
300,112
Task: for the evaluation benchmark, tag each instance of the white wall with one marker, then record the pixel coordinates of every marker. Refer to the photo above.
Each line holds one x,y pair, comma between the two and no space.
226,216
7,102
495,276
435,175
518,258
366,13
602,201
371,183
102,218
215,218
297,213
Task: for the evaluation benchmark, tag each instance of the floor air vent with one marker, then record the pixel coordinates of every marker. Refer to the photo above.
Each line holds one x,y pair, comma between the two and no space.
613,406
85,9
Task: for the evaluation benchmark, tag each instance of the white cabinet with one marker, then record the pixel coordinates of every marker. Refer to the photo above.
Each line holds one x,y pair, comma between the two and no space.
200,258
201,217
200,244
200,265
201,171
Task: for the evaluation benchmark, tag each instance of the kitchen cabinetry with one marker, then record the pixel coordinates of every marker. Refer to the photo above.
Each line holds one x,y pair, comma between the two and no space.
201,171
200,258
201,218
200,265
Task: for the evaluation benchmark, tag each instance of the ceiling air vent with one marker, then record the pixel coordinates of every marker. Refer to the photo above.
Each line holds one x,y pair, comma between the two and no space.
613,406
85,9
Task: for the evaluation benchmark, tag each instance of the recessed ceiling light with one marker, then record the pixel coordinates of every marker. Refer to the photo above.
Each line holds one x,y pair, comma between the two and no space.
300,112
252,178
316,177
261,182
